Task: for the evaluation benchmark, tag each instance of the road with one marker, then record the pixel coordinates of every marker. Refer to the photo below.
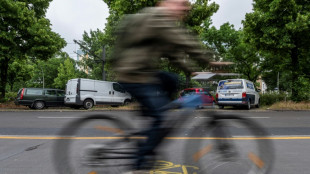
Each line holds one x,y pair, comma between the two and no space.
27,138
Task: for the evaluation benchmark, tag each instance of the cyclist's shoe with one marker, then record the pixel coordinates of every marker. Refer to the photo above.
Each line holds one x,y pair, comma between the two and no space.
92,154
138,172
227,151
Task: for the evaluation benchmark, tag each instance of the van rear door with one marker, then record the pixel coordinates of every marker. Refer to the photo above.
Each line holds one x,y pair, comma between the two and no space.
230,91
71,91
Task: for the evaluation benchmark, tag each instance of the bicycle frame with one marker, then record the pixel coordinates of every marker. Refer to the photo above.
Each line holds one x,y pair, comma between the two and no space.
188,103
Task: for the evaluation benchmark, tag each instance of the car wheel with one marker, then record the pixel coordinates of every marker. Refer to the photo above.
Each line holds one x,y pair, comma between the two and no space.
221,107
248,105
38,105
88,104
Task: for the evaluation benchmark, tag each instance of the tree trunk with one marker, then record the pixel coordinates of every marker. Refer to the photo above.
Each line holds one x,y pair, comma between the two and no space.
3,74
188,79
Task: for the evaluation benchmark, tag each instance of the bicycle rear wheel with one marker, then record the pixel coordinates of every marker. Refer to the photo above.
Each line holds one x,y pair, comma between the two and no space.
229,144
92,145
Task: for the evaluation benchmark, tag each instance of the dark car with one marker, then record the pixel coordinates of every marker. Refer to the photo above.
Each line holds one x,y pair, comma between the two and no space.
207,98
38,98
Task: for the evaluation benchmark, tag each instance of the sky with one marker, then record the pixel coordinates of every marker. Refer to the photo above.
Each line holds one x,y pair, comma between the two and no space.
70,18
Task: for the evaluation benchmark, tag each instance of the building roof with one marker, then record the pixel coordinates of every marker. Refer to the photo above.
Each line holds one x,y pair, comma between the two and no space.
209,75
222,63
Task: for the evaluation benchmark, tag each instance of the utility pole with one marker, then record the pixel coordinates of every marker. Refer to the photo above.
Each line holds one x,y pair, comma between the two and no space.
102,58
103,62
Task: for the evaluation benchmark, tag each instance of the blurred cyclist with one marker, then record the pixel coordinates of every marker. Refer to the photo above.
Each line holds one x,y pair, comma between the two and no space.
143,39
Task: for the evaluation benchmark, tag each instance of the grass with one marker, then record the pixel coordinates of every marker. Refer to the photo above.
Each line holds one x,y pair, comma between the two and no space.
11,106
290,105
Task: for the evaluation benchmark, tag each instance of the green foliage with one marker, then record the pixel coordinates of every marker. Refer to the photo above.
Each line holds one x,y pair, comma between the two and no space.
94,40
303,86
9,96
229,45
48,69
268,99
280,30
220,40
19,72
66,71
25,32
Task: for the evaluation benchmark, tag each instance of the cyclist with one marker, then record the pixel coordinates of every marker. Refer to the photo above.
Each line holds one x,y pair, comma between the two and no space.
143,40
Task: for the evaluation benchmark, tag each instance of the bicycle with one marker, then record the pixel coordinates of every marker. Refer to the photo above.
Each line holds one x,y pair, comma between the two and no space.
216,145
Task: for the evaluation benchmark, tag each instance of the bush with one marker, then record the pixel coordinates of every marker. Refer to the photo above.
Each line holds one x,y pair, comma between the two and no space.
302,87
268,99
9,96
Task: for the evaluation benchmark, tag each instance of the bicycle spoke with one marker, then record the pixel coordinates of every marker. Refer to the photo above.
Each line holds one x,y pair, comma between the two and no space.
198,155
256,160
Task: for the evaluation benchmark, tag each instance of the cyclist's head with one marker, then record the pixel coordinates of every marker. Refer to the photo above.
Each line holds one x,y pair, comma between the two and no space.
177,8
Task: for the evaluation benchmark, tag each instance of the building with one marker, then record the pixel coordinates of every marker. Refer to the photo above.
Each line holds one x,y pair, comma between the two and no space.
81,58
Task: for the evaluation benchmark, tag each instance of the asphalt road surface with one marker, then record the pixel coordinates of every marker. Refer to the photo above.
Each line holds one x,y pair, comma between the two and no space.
27,139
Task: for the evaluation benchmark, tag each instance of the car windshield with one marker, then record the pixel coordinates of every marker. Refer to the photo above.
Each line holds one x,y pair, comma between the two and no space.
188,92
230,84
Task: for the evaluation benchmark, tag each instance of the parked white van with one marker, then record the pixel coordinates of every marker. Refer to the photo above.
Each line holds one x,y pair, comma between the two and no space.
87,93
237,92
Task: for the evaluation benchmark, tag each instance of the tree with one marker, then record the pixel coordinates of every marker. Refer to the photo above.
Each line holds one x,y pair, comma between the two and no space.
281,28
229,45
48,68
25,32
92,45
66,71
220,40
19,72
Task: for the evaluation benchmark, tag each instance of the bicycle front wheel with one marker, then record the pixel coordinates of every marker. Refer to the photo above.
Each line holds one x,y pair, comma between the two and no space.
229,144
93,145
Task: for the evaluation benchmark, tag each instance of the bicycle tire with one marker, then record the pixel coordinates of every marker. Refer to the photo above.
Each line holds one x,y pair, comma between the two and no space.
65,163
207,154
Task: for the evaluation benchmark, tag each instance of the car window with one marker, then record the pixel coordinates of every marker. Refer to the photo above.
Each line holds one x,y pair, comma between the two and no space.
50,92
188,92
60,93
34,92
231,84
250,85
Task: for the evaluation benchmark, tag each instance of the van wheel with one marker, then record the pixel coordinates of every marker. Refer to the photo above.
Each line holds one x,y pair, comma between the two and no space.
221,107
88,104
38,105
126,102
258,104
248,107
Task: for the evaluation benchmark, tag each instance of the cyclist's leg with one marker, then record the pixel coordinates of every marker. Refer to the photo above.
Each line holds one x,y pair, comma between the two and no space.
151,97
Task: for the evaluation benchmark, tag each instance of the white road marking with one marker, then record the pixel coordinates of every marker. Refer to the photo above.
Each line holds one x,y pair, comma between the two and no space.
61,117
242,117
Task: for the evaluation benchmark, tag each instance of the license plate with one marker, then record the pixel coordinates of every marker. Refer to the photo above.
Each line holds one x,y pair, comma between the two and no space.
229,94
